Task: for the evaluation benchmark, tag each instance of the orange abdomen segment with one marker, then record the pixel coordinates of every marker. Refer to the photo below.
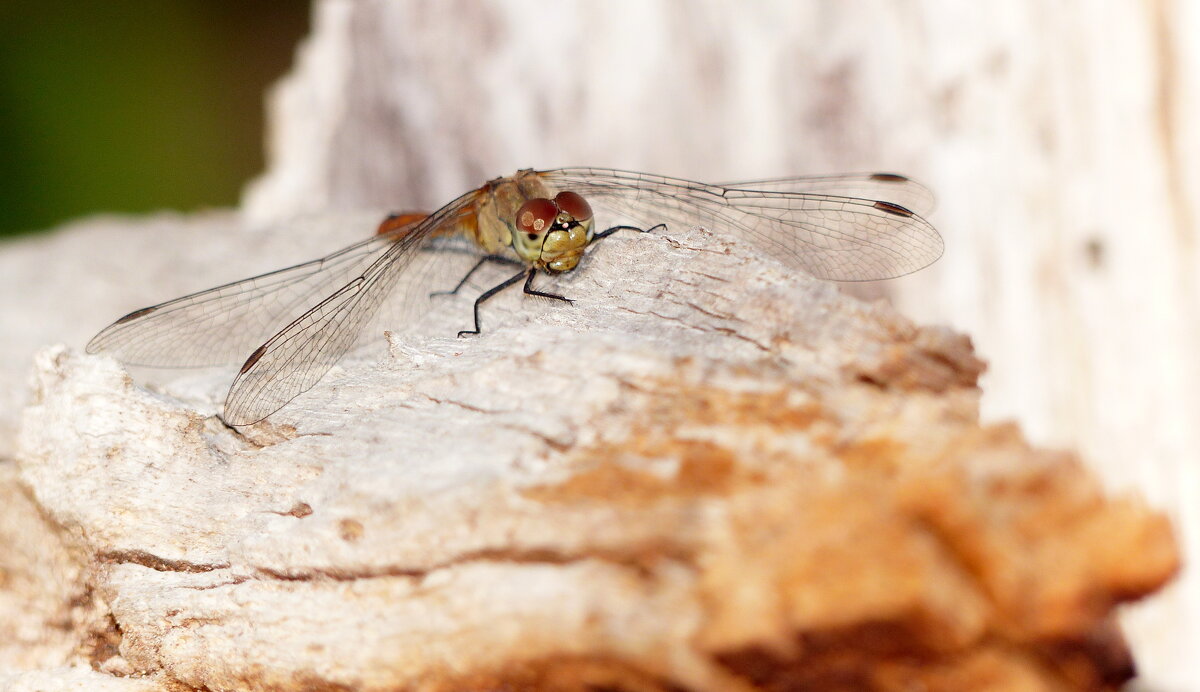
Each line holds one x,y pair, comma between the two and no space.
395,222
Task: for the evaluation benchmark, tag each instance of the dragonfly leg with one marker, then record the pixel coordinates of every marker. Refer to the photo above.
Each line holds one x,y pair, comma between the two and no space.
609,231
541,294
482,261
488,294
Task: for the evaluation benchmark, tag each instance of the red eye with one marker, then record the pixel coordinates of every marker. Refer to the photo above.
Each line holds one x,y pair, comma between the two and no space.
536,215
575,205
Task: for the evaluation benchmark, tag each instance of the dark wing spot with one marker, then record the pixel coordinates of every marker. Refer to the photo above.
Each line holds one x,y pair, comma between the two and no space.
136,314
889,177
893,209
254,358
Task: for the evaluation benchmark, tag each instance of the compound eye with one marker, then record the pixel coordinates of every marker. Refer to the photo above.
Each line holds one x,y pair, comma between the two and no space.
536,215
575,205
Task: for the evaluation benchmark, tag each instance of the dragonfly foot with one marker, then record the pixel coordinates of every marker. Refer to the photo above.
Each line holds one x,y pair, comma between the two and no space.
530,291
552,296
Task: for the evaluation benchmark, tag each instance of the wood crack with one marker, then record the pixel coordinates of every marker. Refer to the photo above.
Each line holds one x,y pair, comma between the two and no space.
640,559
156,563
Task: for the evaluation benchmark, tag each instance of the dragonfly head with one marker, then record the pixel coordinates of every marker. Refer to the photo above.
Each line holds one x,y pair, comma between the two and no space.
552,233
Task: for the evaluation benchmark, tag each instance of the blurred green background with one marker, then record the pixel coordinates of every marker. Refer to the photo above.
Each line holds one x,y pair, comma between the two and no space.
129,106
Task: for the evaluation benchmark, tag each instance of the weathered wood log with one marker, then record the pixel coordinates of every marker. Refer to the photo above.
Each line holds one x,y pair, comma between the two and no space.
1061,142
769,487
707,473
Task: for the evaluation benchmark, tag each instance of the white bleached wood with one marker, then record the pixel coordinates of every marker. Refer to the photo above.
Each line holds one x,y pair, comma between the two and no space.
1063,142
1042,129
434,510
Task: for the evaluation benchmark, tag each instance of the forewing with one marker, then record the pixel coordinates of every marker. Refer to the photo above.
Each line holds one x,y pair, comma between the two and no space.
219,326
297,357
829,236
889,187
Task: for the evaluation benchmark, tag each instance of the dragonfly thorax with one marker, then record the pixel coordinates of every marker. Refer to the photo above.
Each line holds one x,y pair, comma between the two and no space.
552,234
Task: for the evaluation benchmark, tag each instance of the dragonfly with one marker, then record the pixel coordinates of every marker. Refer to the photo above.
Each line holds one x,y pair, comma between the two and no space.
296,323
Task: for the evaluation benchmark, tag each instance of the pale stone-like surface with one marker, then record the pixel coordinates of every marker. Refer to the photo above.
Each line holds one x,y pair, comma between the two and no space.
599,484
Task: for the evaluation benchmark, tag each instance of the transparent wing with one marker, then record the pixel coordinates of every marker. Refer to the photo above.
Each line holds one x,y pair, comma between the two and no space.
219,326
889,187
829,236
297,357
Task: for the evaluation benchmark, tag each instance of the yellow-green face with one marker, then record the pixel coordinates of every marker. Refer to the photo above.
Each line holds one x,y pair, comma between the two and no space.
552,234
562,249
